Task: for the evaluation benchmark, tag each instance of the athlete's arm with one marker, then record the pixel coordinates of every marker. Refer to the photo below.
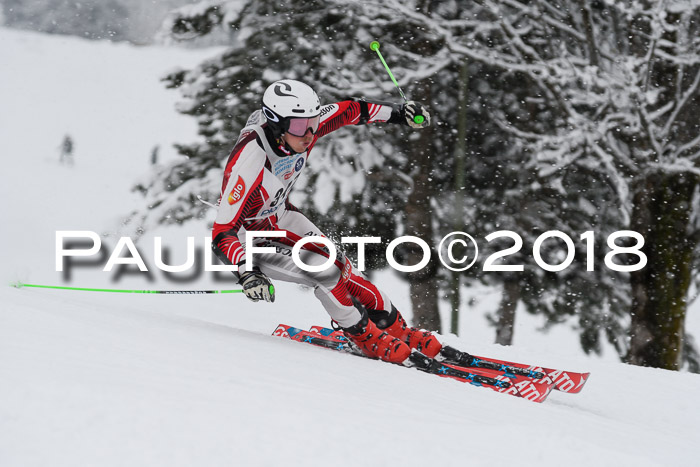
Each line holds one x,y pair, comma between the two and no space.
362,111
241,198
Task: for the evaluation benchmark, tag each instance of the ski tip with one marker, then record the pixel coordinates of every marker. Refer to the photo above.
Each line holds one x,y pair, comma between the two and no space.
575,389
16,285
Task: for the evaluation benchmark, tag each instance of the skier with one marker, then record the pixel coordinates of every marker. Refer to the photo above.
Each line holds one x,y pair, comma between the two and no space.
266,161
66,156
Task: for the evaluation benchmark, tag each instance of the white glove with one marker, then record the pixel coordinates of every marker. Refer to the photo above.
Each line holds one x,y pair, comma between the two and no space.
257,286
413,111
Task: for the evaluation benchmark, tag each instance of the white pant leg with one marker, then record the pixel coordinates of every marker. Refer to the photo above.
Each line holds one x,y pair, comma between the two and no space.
280,266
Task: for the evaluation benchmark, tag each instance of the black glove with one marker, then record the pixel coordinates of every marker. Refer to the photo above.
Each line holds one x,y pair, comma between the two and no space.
256,285
415,114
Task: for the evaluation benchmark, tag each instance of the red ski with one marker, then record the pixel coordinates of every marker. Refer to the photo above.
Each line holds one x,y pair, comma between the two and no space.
565,381
520,386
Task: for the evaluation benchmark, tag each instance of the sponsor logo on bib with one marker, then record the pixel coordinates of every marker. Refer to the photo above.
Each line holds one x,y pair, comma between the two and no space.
237,192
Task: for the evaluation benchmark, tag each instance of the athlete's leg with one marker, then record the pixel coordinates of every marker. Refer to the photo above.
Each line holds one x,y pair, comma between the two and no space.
351,300
329,285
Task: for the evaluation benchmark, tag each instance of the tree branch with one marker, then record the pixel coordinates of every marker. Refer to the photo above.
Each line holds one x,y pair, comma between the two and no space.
687,146
590,32
681,103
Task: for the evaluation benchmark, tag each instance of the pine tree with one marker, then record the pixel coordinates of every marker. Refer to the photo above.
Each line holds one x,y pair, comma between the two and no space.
91,19
132,20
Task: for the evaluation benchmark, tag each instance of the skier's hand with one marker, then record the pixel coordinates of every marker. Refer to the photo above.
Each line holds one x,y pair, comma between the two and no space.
415,114
257,286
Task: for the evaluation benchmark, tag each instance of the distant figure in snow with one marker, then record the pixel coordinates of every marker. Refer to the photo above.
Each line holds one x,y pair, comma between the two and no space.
154,155
66,157
266,161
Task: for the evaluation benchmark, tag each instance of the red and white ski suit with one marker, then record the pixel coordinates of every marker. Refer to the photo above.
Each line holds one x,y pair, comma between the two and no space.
254,196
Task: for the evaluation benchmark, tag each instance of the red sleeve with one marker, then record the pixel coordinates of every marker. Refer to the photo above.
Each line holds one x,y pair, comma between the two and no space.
351,112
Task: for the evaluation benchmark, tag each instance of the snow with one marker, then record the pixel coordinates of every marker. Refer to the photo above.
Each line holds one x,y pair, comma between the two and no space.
116,379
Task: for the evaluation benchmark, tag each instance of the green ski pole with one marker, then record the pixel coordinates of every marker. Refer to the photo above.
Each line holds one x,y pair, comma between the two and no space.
20,285
374,45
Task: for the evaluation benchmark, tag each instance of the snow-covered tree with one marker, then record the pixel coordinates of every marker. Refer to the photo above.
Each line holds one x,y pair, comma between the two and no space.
618,85
91,19
133,20
510,193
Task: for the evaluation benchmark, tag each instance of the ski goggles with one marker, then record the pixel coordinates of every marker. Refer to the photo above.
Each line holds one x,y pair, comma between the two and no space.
299,126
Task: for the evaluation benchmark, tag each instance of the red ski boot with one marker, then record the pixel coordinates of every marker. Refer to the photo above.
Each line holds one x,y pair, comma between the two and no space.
376,343
419,339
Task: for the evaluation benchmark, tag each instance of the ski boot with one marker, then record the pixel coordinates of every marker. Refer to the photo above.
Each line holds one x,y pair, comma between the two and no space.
419,339
375,342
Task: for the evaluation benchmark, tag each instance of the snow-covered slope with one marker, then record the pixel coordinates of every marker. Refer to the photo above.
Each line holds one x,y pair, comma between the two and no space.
110,379
163,380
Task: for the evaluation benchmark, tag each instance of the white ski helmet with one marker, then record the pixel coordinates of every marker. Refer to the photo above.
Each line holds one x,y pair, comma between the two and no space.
287,99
